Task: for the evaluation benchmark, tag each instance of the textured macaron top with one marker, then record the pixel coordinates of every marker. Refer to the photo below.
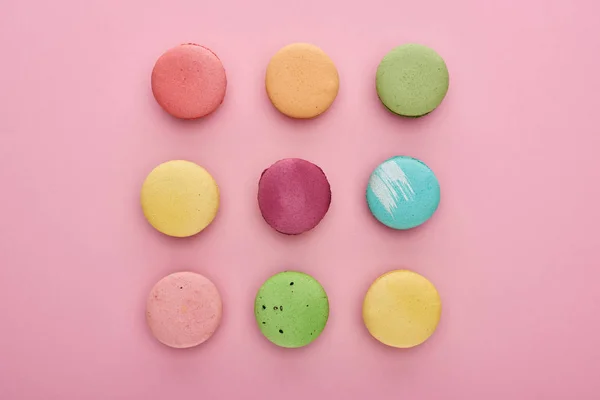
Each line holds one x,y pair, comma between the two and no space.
301,80
179,198
183,309
291,309
293,195
402,309
412,80
189,81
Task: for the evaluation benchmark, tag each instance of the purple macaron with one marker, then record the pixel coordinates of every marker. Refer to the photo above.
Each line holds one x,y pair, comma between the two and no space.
293,195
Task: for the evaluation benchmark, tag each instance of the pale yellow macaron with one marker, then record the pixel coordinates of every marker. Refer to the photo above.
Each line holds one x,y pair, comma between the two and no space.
301,80
180,198
402,309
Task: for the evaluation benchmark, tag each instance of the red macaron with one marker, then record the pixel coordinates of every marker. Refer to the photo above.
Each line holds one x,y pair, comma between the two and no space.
189,81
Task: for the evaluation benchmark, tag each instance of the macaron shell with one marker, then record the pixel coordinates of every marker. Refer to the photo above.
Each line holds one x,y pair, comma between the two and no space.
402,309
301,81
179,198
293,195
412,80
403,192
189,81
291,309
183,309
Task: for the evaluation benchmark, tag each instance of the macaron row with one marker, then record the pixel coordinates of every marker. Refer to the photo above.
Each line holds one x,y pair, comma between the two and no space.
189,81
180,198
400,309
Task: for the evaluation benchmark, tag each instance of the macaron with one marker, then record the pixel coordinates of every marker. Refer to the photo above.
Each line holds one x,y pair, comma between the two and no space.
293,195
291,309
403,192
189,81
301,80
402,309
179,198
183,309
412,80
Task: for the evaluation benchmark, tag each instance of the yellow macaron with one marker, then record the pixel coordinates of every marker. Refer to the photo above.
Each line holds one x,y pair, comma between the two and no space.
179,198
402,309
301,80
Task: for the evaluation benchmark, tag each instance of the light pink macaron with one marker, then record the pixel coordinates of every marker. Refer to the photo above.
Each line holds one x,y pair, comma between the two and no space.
184,309
189,81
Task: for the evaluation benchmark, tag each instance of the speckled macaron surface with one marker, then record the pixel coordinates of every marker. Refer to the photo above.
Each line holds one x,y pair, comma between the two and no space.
291,309
301,80
403,192
412,80
183,309
179,198
293,195
189,81
402,309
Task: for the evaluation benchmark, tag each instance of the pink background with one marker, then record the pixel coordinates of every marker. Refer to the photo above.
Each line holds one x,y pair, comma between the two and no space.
512,250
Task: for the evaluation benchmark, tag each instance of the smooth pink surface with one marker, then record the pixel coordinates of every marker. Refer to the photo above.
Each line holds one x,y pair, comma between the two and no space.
513,248
189,81
183,309
293,195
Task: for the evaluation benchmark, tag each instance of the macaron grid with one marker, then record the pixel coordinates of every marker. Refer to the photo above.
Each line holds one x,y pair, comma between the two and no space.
180,198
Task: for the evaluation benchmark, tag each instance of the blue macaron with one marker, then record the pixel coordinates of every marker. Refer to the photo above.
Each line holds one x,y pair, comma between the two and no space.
403,192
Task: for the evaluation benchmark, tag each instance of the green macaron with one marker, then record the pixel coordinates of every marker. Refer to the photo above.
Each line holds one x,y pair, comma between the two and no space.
412,80
291,309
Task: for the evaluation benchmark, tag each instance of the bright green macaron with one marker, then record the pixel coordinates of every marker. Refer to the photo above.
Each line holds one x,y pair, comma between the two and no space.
291,309
412,80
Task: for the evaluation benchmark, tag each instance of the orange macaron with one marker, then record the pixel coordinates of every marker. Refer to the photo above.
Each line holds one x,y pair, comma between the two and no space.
301,81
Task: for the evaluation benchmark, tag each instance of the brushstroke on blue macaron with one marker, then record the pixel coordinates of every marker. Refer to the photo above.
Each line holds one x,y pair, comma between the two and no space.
403,192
